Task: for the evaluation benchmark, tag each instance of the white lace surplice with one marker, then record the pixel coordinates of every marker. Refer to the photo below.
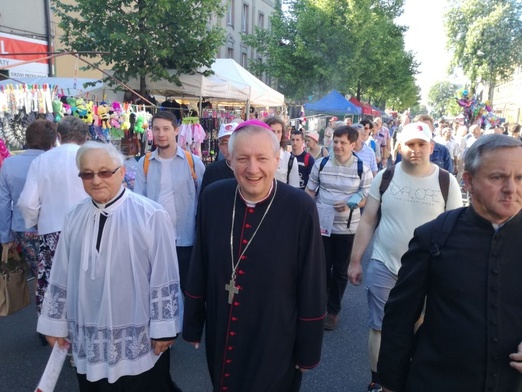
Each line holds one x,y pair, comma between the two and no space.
112,302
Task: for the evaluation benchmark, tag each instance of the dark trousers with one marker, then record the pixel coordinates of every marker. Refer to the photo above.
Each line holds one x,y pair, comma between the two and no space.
156,379
337,249
184,255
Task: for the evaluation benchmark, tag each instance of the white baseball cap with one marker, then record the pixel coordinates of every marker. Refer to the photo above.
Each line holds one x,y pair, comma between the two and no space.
416,130
227,129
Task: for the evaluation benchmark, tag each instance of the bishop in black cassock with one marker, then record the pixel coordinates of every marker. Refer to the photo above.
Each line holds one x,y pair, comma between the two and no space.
256,339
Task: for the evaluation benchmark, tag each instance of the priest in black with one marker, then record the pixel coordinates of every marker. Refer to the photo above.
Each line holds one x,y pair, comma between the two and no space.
257,279
466,267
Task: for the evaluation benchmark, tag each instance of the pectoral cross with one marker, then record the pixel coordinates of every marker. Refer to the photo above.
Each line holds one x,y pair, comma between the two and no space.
232,289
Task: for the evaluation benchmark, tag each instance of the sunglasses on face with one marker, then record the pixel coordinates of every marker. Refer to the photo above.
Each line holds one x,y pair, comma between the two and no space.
102,174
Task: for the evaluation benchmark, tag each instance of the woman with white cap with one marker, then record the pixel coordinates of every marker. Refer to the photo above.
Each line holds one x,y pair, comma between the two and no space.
313,146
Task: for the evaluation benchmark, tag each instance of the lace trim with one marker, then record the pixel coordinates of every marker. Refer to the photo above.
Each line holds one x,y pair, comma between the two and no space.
165,304
54,305
110,345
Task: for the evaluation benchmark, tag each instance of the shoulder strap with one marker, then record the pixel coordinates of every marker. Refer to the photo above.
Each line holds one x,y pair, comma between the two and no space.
321,167
290,164
190,160
188,155
323,150
446,223
323,163
385,183
359,165
306,159
386,179
146,163
444,181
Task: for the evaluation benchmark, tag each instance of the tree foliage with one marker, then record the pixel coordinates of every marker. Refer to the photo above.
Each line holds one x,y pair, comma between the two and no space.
485,37
143,37
441,98
353,46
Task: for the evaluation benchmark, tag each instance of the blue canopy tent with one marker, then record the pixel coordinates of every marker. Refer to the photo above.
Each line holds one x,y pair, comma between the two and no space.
333,103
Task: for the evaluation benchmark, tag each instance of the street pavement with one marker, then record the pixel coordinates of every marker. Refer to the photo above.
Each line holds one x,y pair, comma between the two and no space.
344,363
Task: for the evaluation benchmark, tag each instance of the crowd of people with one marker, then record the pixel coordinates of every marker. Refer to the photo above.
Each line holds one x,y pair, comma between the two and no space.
256,250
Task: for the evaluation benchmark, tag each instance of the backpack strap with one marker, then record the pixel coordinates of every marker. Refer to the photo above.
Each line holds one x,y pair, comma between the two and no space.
323,149
290,164
359,165
307,159
146,163
446,222
386,179
190,160
444,181
188,155
321,167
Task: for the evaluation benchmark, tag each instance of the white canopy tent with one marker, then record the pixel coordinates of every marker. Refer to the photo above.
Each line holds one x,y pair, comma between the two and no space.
195,85
230,82
260,94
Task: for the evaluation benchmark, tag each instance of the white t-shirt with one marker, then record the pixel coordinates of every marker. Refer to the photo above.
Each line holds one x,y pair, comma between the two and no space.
453,147
282,169
408,203
166,196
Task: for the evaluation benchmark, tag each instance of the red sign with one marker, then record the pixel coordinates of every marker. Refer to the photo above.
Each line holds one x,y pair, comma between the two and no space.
17,44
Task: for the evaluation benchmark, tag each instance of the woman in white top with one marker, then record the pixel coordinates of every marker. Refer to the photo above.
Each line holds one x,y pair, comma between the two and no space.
288,170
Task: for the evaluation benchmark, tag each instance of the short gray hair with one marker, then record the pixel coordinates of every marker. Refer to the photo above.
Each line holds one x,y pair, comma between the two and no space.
111,151
358,126
484,144
250,130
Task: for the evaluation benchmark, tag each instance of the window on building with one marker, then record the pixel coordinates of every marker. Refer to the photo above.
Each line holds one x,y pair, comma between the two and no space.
244,60
230,53
261,20
244,19
230,13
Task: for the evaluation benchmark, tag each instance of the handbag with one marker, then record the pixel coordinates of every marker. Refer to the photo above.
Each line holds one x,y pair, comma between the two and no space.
14,291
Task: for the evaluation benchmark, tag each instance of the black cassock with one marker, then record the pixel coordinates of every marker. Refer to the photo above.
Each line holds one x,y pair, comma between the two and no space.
276,319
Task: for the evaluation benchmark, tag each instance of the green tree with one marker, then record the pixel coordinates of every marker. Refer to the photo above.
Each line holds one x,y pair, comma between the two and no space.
441,96
143,37
418,109
353,46
485,37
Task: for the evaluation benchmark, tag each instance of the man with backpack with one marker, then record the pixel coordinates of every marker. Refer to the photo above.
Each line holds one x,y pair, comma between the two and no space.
401,198
172,177
339,184
464,267
305,160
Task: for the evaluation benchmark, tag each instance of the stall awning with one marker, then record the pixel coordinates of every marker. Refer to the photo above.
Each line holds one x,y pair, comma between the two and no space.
365,108
333,103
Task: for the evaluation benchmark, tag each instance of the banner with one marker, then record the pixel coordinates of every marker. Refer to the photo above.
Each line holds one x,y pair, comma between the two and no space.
17,44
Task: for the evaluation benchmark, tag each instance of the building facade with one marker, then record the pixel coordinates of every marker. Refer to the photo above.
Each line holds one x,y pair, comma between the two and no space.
242,17
507,98
25,32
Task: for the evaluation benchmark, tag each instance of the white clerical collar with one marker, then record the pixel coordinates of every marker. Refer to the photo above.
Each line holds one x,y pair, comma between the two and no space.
498,226
111,201
252,204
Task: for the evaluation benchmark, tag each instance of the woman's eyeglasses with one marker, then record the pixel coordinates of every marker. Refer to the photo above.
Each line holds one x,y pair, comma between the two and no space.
102,174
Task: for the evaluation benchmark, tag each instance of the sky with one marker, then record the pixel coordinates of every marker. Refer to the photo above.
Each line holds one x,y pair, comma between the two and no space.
427,39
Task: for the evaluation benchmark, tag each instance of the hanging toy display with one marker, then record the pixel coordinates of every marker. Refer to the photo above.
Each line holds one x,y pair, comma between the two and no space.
476,112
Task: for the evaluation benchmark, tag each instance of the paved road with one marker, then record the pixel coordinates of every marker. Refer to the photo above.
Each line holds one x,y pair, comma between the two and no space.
344,364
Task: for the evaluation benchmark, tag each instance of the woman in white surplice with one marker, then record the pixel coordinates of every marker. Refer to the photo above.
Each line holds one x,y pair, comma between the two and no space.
114,286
